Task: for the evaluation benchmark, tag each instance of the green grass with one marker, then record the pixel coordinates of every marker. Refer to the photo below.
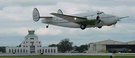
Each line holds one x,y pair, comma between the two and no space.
66,56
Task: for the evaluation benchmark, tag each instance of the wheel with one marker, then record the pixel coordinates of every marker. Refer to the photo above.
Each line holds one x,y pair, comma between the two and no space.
100,27
82,26
47,26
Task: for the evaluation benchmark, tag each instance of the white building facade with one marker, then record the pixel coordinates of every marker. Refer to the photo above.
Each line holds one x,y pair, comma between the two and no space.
31,44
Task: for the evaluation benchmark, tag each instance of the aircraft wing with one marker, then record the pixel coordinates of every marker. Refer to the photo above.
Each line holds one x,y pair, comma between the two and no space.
69,17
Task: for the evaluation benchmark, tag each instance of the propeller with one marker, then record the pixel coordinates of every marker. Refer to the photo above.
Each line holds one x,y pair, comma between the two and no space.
98,17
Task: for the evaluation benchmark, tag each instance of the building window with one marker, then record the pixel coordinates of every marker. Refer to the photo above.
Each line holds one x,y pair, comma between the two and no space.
51,50
26,46
42,50
26,51
48,50
32,42
23,50
45,50
26,38
39,42
26,42
31,38
37,51
12,50
23,46
18,50
54,51
9,50
15,50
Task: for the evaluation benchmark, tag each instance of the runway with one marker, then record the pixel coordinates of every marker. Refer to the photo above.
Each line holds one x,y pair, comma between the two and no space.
104,54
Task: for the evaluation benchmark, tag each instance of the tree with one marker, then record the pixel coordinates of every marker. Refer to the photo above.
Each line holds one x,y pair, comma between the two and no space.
19,45
53,45
85,47
64,45
3,49
81,48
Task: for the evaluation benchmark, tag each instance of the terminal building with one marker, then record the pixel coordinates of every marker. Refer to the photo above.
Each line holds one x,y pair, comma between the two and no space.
105,45
31,44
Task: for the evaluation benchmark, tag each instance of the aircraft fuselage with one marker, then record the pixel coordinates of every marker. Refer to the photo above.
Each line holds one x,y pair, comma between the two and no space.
106,20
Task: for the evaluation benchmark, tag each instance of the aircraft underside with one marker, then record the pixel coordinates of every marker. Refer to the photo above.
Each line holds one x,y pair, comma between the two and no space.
72,25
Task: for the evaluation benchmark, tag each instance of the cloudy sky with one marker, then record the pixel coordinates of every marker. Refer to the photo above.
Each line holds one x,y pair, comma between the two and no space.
16,20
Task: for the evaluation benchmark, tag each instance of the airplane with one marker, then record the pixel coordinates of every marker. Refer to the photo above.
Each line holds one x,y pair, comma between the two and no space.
81,20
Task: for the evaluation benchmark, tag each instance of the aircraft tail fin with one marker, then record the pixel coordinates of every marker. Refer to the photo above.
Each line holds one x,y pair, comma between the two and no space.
36,15
59,11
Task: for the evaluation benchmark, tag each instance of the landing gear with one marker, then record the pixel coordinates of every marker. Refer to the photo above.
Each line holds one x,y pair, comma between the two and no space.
47,26
82,26
100,27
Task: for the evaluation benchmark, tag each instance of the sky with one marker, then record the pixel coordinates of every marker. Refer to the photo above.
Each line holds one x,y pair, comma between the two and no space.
16,20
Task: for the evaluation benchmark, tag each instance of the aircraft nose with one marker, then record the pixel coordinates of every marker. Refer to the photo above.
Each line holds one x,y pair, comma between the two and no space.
117,18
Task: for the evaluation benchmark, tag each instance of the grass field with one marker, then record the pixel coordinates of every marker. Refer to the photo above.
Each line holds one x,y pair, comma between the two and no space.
64,56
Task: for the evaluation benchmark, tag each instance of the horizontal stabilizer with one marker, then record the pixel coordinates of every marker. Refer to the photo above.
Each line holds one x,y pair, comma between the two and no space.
46,17
59,11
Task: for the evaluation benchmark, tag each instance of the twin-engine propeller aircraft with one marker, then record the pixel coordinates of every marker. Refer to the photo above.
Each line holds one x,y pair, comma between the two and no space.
81,20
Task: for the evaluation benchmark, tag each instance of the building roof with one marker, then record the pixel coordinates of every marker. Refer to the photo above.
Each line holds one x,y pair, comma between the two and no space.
131,42
113,42
31,33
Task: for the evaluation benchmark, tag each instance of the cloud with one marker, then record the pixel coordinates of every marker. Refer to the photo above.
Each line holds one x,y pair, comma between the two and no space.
14,31
109,3
25,3
48,31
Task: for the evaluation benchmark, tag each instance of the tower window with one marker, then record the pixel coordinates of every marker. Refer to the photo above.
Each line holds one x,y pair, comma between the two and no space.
31,38
31,42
